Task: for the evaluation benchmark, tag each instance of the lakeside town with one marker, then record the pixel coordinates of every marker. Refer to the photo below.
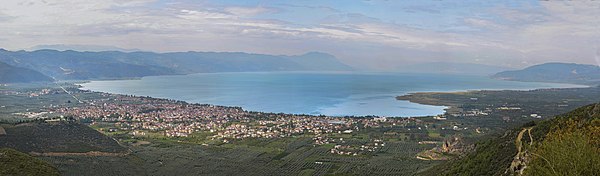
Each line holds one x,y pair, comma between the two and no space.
127,117
142,115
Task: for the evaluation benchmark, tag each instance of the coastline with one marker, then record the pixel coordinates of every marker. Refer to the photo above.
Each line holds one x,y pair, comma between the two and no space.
406,97
449,106
443,106
434,97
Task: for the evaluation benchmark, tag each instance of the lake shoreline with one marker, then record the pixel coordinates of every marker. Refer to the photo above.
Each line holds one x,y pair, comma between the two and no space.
441,109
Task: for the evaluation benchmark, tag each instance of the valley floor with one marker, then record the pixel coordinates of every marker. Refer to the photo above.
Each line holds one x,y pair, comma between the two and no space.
166,137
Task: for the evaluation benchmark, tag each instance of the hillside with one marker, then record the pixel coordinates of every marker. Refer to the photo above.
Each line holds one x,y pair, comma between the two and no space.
60,137
11,74
13,162
566,145
555,72
69,65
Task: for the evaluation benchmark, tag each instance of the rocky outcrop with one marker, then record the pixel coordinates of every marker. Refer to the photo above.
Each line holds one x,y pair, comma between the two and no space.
451,147
519,163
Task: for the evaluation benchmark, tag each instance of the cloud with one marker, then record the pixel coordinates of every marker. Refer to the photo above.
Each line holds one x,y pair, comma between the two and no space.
482,23
495,33
313,7
4,17
248,11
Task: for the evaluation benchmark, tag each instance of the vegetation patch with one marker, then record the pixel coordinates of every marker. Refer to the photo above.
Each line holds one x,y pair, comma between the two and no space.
13,162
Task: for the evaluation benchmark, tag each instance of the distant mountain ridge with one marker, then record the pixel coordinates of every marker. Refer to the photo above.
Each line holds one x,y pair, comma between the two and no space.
92,48
453,68
75,65
555,72
12,74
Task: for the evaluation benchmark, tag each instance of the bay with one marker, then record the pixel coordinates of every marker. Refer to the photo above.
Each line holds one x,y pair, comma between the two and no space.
327,93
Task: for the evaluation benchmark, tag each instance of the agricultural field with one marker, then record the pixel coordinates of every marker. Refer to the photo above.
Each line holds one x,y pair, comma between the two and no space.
297,158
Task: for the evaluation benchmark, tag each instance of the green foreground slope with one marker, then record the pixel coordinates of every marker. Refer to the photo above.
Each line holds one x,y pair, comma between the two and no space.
570,146
566,145
13,162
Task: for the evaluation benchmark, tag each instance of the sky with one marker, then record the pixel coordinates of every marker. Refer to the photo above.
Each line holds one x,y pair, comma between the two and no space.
373,34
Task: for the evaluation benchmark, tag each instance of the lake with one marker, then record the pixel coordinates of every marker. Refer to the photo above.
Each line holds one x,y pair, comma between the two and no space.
327,93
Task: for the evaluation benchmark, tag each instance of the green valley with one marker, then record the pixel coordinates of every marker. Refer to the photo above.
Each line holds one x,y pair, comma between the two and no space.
119,134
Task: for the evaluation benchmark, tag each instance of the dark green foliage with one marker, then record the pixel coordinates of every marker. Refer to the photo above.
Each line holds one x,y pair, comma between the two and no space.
13,162
571,145
529,124
572,154
491,157
57,137
566,145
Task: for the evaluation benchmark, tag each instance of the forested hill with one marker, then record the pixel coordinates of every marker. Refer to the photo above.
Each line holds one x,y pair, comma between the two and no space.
13,162
115,65
555,72
12,74
566,145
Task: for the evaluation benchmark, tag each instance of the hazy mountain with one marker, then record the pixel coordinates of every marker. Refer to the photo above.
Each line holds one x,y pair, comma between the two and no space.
555,72
11,74
453,68
115,64
94,48
319,61
78,65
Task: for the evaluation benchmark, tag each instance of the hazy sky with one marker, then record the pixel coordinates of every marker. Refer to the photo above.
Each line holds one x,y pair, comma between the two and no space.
367,34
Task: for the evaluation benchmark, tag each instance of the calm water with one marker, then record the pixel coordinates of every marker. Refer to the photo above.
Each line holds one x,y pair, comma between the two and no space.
308,93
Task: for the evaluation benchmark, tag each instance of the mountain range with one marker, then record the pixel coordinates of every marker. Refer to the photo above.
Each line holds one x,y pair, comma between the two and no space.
555,72
12,74
453,68
76,65
92,48
39,65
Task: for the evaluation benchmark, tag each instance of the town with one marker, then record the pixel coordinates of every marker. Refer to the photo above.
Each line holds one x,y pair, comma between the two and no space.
136,118
141,116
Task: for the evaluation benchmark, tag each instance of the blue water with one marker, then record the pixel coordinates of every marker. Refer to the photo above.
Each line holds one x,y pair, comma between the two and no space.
309,92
